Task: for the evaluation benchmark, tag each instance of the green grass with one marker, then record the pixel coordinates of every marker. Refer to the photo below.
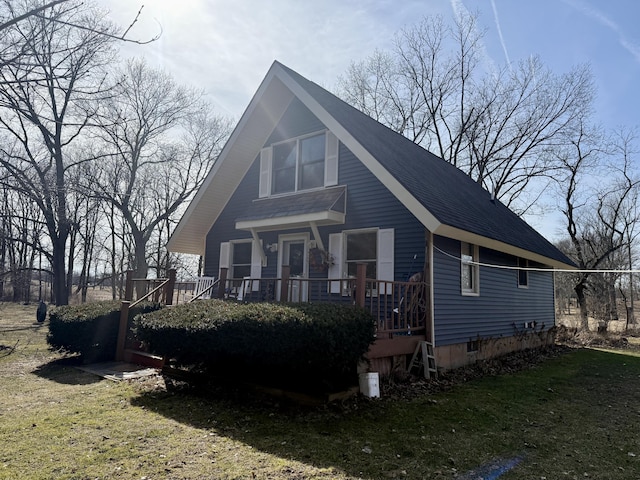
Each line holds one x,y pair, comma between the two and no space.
575,416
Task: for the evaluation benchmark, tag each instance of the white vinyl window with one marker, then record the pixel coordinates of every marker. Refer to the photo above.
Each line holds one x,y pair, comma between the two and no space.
470,270
373,247
243,259
299,164
361,247
240,259
523,274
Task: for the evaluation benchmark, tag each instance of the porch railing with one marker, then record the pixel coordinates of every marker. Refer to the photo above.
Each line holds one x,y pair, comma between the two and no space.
401,308
157,290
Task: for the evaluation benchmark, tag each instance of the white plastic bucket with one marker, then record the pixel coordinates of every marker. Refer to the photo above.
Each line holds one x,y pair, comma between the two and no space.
370,384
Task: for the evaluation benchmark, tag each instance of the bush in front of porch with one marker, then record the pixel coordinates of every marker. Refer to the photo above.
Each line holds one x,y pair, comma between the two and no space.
309,347
90,329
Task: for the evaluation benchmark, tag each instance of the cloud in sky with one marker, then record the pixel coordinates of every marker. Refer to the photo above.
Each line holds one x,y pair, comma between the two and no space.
228,46
461,11
600,17
499,30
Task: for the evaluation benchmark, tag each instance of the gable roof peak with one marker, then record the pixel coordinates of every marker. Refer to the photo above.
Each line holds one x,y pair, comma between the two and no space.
446,200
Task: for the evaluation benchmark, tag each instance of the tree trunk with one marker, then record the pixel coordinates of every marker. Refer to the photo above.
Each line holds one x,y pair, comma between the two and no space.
60,287
582,304
613,303
141,267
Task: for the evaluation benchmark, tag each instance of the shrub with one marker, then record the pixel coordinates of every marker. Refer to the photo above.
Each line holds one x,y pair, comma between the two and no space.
293,345
89,329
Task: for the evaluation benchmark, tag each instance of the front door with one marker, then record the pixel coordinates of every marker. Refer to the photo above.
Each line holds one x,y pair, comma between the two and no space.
293,251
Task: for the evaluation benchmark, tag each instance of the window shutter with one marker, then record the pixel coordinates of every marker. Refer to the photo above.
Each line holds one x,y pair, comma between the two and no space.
335,270
331,160
265,172
225,252
385,258
256,263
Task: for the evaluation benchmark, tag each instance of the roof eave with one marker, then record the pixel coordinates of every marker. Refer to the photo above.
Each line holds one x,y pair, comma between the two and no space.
466,236
256,124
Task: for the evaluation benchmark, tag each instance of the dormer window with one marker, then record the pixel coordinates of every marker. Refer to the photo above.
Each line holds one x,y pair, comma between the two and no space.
299,164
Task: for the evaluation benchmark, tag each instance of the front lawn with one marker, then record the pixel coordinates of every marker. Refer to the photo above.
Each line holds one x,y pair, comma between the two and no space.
574,416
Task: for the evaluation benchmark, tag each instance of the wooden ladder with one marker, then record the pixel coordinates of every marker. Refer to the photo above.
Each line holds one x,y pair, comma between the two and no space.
423,356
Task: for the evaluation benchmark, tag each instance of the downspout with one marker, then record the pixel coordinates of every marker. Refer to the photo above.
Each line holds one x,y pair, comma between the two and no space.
431,337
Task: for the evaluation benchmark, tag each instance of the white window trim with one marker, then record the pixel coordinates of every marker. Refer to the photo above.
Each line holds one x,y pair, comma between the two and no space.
526,272
232,244
226,259
384,263
331,160
293,237
303,286
475,291
346,291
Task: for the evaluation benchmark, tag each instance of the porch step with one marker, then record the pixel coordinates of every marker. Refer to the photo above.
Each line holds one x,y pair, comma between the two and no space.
423,356
143,358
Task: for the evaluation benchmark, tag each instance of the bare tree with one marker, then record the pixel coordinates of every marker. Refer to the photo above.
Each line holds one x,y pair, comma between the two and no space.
625,148
160,140
14,12
46,103
497,125
600,215
21,229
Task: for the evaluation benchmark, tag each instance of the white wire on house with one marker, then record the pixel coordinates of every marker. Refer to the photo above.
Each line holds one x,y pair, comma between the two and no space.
533,269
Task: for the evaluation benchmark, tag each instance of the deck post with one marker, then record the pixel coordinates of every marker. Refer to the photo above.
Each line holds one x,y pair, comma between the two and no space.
122,330
128,286
284,283
222,284
171,284
361,283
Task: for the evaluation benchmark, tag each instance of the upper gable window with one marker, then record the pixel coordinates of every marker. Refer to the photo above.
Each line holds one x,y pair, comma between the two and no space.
298,164
302,163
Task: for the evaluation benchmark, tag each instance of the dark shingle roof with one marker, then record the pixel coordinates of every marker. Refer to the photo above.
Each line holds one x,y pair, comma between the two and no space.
447,192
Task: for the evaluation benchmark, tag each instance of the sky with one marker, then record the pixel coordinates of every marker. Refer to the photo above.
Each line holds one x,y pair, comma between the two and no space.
226,47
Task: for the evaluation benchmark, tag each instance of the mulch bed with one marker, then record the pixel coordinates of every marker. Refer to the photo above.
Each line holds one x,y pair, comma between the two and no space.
412,386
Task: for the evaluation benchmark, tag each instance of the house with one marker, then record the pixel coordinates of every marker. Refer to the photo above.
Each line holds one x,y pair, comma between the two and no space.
307,188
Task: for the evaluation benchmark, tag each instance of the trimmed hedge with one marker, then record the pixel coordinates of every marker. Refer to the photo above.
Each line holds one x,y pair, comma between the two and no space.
90,329
304,346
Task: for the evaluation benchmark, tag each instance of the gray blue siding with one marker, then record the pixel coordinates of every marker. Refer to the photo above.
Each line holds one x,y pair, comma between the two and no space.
502,307
369,204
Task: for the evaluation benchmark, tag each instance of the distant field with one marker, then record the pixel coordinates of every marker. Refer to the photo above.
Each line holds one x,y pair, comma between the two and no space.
574,416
